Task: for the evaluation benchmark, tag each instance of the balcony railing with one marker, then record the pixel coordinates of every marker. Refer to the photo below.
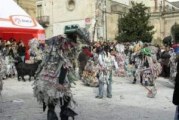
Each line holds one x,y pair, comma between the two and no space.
43,20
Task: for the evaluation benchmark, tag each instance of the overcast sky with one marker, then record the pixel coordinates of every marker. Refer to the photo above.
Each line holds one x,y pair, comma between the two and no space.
172,0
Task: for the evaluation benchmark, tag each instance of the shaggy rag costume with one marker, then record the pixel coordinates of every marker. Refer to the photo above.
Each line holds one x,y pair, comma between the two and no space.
55,75
89,76
106,64
147,71
3,67
35,51
2,73
120,59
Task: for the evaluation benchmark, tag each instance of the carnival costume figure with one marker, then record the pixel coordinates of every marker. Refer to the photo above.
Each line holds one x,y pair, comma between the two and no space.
148,72
3,67
120,58
2,71
107,64
89,76
56,74
35,51
8,55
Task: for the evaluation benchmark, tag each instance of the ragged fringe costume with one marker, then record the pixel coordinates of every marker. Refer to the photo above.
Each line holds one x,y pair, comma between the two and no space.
2,71
8,55
35,52
55,75
148,69
89,76
3,67
120,58
173,64
10,67
129,68
107,64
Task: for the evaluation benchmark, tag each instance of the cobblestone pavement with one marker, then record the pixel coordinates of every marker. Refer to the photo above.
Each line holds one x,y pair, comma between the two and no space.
129,102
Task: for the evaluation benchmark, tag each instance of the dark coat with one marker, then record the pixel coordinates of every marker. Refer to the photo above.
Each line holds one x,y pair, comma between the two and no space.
176,89
11,53
21,50
82,57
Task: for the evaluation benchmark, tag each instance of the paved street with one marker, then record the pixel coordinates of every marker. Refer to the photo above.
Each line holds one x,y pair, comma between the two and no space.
129,102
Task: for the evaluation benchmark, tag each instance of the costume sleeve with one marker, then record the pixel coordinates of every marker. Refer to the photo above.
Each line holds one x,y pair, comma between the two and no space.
115,63
100,60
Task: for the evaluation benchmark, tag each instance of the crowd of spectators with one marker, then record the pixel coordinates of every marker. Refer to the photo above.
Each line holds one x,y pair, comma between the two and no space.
122,52
11,47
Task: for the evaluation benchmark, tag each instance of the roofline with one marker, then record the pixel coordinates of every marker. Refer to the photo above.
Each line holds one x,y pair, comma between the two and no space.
120,3
172,4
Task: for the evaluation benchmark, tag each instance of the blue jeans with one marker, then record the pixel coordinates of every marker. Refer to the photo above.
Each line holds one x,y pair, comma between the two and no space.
108,79
177,113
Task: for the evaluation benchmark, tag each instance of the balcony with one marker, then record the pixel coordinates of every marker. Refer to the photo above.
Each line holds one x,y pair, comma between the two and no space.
43,20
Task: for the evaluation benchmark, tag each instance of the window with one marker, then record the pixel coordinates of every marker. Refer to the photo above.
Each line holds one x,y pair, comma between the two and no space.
39,10
71,5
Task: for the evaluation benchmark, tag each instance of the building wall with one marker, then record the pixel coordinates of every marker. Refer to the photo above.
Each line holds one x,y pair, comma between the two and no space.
112,26
113,12
83,9
28,5
60,15
45,10
148,3
162,18
163,24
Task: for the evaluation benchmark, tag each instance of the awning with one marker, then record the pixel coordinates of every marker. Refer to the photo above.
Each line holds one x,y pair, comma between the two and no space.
71,28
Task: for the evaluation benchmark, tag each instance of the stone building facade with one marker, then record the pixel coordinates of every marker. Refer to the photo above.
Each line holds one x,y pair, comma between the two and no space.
28,5
163,16
100,17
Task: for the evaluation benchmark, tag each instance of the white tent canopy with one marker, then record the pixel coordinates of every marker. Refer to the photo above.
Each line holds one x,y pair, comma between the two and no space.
15,22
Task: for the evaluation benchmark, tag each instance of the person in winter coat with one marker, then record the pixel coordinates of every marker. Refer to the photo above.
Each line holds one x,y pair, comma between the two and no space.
165,56
83,58
21,51
176,93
